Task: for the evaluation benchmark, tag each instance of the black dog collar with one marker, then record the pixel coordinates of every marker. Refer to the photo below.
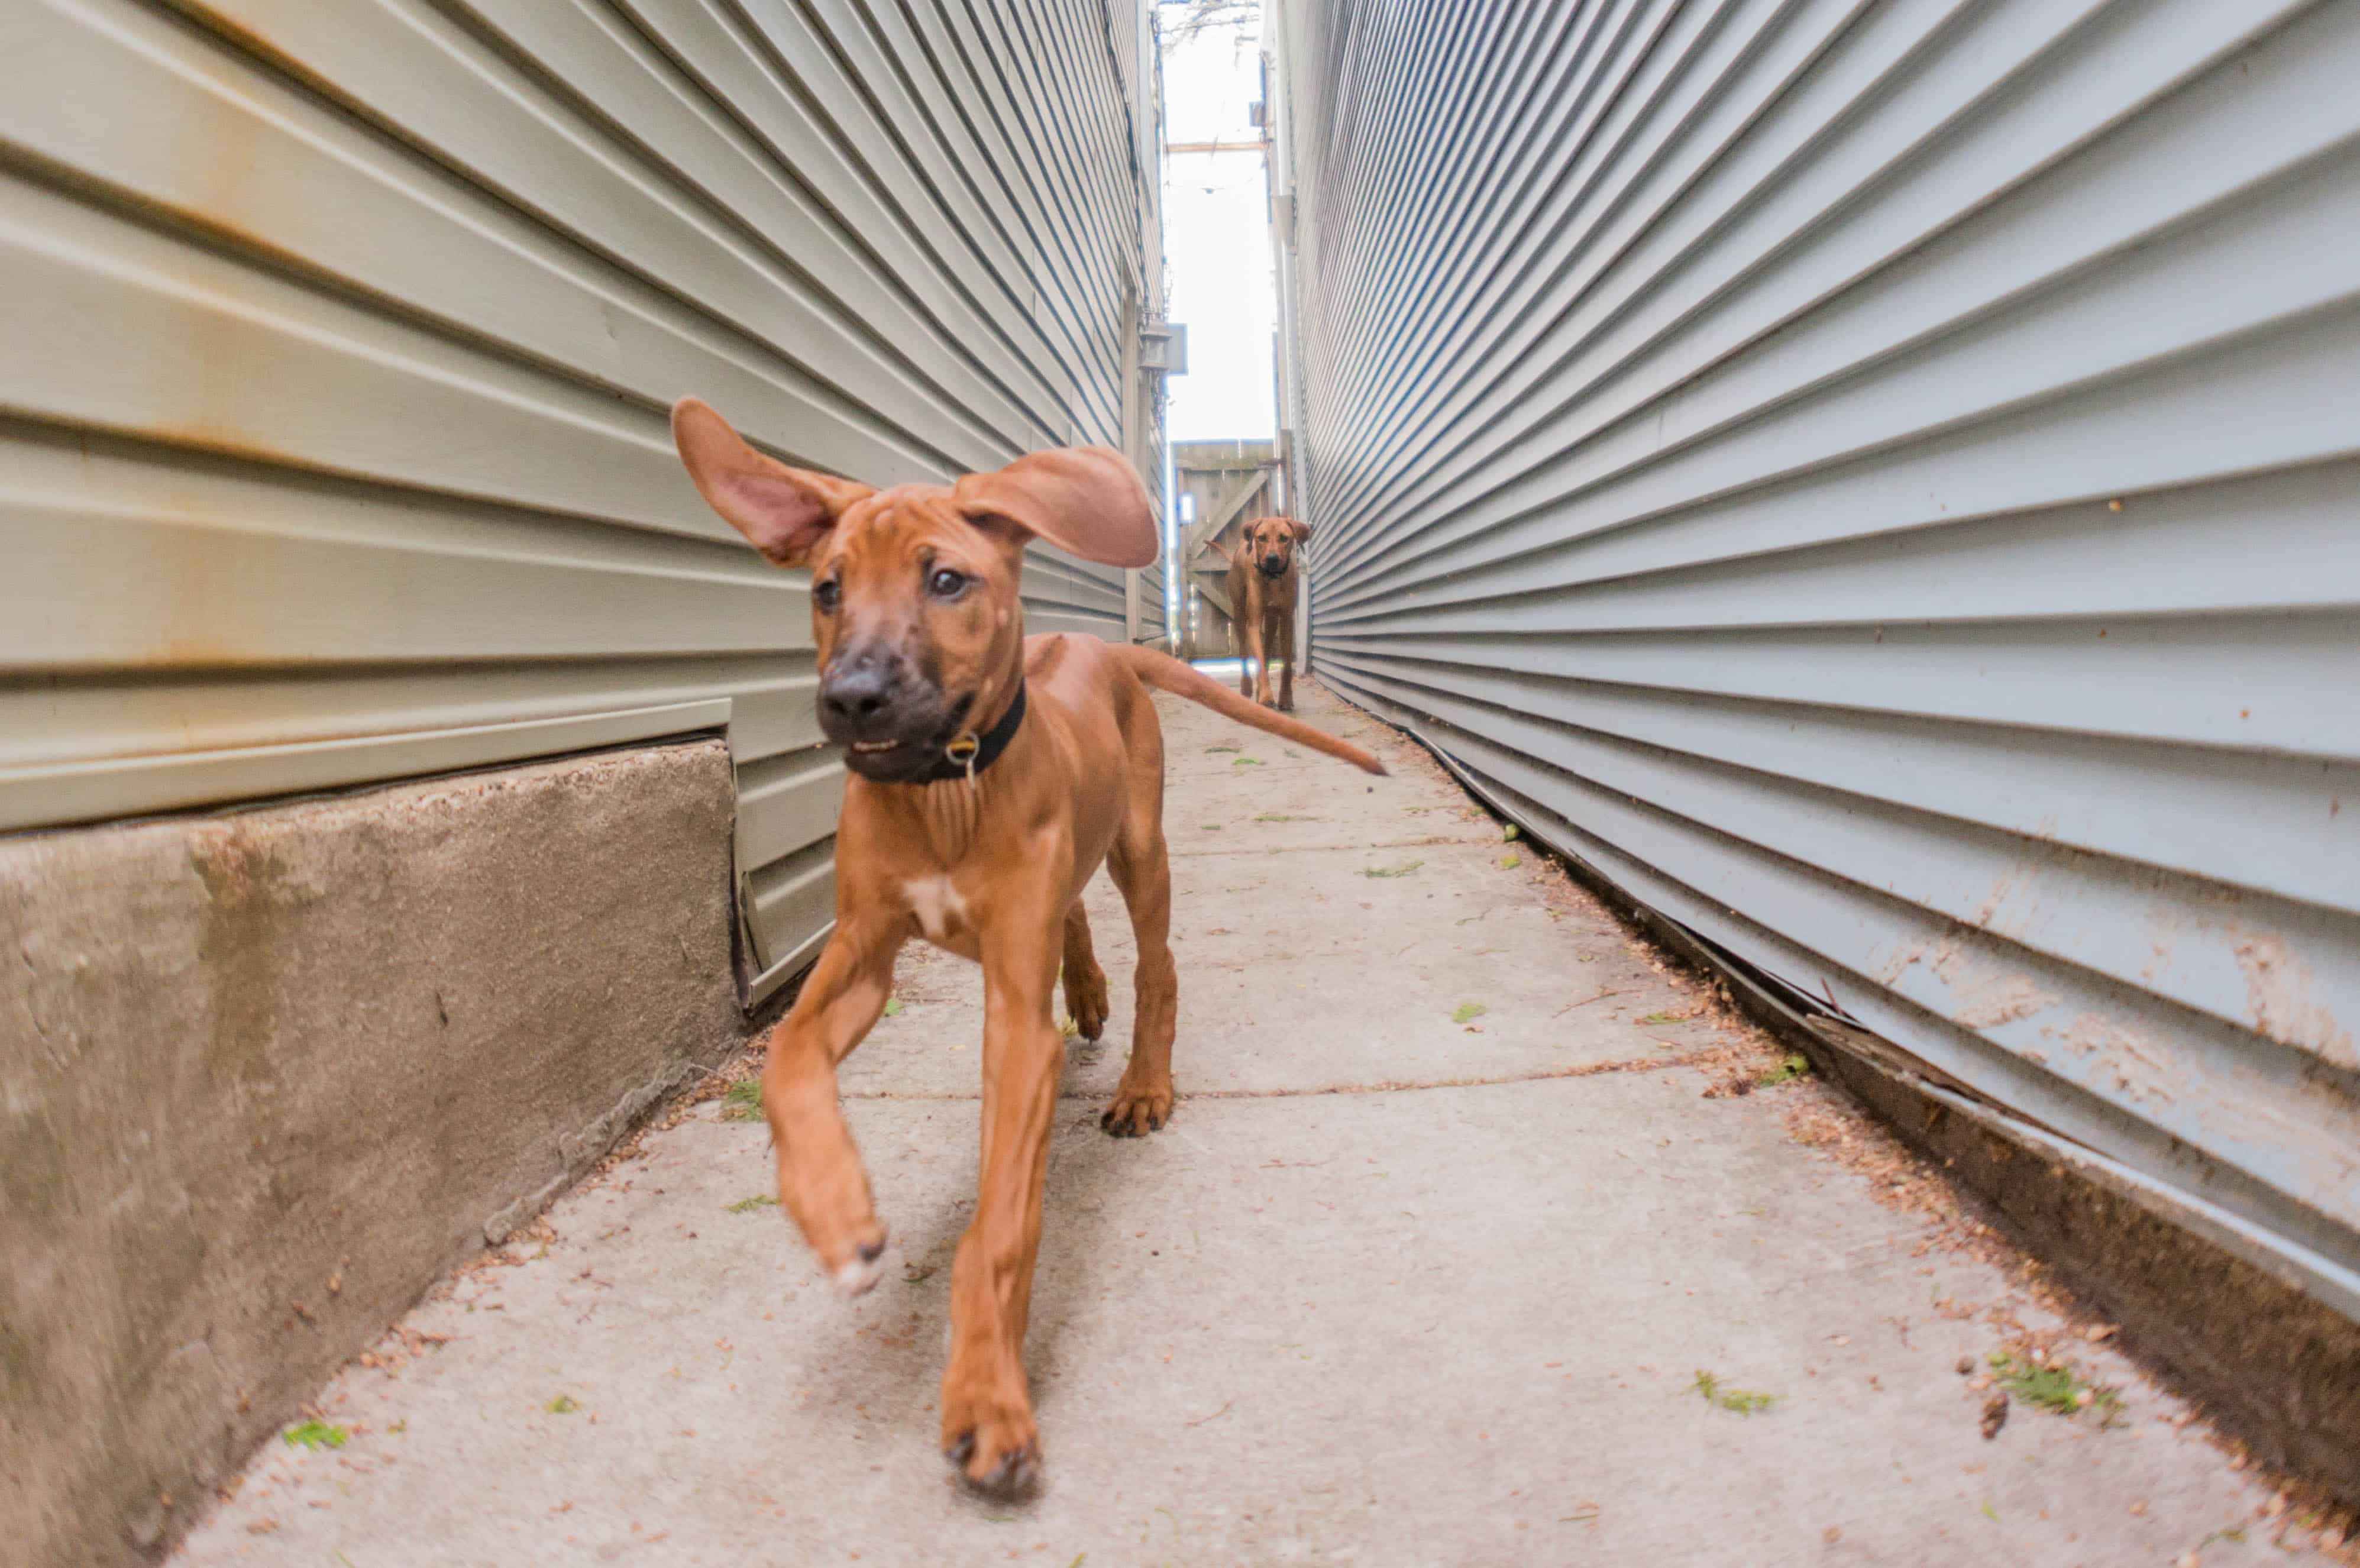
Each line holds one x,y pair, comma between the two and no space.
971,753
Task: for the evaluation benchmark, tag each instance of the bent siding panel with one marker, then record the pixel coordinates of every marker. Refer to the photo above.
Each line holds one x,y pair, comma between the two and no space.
341,337
1877,481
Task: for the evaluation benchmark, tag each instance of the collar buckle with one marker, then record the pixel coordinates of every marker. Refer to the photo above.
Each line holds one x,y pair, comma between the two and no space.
971,751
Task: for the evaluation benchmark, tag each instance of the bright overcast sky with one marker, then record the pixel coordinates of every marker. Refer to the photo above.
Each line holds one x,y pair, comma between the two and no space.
1216,238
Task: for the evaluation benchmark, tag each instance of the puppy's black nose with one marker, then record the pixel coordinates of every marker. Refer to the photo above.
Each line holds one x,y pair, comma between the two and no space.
855,692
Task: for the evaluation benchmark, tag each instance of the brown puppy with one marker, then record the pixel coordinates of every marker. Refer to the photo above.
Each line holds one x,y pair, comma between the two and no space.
990,775
1263,583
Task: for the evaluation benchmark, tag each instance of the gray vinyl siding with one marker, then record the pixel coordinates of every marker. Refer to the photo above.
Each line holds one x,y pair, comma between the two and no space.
339,336
1878,482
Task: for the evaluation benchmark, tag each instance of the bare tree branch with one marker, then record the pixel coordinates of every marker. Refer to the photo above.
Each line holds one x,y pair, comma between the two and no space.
1184,20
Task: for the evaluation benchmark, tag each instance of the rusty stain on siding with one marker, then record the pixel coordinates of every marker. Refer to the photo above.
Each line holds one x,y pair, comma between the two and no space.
2277,998
277,232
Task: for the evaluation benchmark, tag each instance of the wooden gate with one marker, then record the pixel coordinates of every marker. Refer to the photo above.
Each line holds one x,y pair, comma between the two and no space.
1219,487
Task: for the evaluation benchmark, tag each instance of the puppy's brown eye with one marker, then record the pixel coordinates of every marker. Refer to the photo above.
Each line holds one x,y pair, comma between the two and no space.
825,595
944,584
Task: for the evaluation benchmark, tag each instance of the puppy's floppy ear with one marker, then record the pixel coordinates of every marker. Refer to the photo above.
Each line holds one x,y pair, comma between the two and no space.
783,512
1086,500
1302,529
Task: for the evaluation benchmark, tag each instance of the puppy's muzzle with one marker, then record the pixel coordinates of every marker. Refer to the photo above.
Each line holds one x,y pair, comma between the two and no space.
874,706
1273,565
858,699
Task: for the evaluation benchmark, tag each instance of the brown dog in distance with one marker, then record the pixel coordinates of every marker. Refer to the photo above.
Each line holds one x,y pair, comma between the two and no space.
992,773
1263,583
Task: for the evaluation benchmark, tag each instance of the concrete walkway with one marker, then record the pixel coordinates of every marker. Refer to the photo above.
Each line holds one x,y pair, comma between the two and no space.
1424,1271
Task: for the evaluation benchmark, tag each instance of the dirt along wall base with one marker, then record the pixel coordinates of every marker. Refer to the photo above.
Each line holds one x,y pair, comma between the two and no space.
2275,1369
263,1075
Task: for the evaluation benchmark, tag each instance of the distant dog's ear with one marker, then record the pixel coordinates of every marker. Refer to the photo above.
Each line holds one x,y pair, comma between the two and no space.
1302,529
1086,500
783,512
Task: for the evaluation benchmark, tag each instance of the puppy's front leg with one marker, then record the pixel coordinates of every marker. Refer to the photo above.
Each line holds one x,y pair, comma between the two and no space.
821,1180
987,1427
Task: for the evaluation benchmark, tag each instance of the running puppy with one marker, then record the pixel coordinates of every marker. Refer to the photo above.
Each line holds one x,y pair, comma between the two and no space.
990,776
1263,582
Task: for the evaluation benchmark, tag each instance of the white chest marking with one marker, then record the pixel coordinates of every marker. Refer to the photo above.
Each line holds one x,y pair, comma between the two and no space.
937,902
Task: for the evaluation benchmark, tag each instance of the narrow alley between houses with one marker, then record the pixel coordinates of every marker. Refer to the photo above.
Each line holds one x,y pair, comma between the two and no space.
1484,1234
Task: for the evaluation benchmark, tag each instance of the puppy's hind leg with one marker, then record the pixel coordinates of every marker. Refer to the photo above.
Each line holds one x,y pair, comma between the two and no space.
1142,1101
1086,982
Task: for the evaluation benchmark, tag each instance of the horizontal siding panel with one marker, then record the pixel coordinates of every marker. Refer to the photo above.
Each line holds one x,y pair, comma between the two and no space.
2268,681
2055,788
2136,439
2001,883
1749,905
1876,481
748,77
318,190
785,802
344,335
1752,243
2265,543
2155,311
141,746
418,602
920,348
275,369
880,99
400,64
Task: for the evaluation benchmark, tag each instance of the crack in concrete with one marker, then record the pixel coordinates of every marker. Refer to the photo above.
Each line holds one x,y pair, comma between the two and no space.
1383,1086
1426,842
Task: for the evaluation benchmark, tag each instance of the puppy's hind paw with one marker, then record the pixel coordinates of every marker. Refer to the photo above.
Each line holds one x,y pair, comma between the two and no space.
1088,1008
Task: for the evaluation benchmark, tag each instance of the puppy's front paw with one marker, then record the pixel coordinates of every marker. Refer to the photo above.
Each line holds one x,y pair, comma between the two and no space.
996,1448
1138,1110
830,1204
858,1274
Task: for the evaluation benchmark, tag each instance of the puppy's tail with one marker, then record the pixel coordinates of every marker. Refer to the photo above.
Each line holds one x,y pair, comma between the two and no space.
1166,673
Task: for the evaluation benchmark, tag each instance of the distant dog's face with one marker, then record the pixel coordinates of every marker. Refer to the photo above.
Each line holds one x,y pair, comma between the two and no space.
916,620
1269,544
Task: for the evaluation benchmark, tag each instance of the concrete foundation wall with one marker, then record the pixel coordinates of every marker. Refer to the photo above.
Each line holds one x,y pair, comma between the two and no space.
263,1075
